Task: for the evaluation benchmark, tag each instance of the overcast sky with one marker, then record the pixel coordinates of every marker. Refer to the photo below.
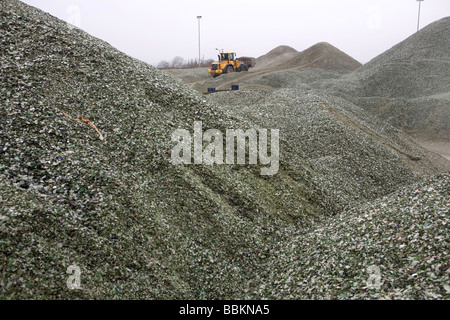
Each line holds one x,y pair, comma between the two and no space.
160,30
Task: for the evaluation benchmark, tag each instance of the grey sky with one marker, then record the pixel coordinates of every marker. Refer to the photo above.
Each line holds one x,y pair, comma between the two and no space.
160,30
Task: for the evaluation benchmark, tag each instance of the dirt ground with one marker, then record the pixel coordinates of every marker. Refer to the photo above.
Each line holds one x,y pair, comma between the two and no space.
439,146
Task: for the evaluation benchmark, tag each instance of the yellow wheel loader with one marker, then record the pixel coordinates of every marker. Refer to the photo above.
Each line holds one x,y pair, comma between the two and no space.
228,63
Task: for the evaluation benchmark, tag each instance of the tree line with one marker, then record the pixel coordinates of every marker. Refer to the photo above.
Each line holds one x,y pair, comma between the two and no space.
180,63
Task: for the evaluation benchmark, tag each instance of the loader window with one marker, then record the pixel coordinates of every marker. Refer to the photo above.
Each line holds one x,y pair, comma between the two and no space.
231,56
224,56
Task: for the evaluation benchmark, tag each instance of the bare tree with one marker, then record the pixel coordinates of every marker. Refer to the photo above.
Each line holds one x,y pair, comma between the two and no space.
163,65
207,63
191,63
177,62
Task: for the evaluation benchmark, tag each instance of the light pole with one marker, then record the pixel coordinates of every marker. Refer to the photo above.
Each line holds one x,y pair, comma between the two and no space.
199,17
418,18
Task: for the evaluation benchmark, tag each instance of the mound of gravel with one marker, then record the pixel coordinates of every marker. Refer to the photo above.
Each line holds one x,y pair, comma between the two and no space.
275,57
86,178
352,154
407,85
396,247
321,56
430,43
416,67
324,56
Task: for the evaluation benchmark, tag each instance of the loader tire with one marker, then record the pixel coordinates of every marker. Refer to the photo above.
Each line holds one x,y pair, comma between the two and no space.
229,69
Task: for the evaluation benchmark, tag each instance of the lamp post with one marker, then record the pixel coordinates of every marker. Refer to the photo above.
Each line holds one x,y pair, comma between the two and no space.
199,18
418,18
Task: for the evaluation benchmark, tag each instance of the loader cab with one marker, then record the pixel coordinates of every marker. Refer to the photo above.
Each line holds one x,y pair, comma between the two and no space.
225,56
